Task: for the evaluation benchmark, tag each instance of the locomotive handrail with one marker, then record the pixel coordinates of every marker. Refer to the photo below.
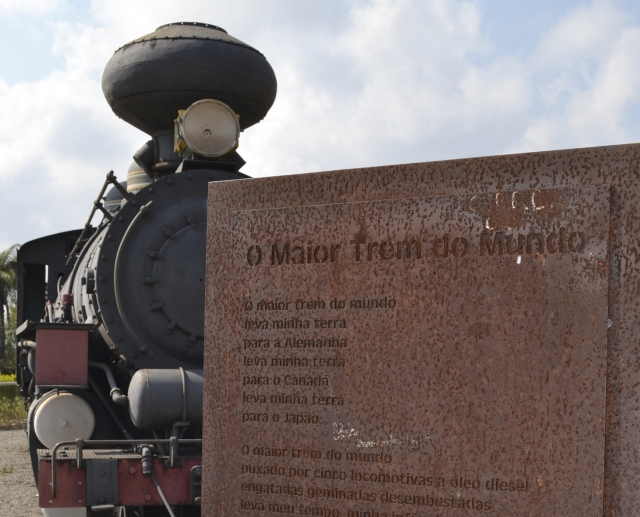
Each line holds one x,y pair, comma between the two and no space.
116,271
81,444
97,205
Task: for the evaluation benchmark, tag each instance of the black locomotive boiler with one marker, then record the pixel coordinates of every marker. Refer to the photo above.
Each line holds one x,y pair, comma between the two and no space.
111,316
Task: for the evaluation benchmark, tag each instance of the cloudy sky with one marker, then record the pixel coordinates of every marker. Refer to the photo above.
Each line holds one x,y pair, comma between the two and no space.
360,82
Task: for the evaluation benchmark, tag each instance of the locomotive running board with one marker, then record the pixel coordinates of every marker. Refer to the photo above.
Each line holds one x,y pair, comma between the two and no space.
61,484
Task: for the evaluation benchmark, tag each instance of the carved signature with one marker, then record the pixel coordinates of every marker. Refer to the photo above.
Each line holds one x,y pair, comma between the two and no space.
340,433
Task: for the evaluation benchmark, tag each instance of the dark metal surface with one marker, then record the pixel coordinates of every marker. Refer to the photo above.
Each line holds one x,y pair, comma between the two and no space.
488,368
148,80
115,196
150,309
33,258
28,328
160,398
196,484
102,482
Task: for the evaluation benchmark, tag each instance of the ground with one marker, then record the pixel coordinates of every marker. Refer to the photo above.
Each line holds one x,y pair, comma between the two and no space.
18,494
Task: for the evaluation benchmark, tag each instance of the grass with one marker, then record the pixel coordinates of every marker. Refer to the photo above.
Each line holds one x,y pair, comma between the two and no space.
9,377
6,470
12,410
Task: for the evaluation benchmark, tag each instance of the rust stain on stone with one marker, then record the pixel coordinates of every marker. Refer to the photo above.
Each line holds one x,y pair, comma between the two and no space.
443,331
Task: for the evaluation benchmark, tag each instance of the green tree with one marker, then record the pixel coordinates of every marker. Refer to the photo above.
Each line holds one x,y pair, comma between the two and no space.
8,291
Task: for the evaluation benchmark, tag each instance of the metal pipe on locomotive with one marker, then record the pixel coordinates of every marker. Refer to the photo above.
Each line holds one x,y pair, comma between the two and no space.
111,317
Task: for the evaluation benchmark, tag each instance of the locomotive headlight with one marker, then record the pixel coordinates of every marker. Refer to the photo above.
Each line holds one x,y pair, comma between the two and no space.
209,128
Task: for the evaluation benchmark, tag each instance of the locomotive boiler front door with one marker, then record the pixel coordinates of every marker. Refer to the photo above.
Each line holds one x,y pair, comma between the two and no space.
427,356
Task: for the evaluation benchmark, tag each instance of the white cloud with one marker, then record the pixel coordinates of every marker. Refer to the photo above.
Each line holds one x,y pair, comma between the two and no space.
362,82
36,8
85,49
586,33
405,81
587,72
58,138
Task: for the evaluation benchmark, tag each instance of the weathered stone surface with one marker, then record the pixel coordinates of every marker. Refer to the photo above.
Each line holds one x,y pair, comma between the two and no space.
479,375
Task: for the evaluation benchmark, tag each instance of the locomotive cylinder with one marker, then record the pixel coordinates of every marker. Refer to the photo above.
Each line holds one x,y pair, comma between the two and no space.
160,398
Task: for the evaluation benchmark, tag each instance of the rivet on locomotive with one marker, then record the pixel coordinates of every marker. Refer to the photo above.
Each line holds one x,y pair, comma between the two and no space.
111,317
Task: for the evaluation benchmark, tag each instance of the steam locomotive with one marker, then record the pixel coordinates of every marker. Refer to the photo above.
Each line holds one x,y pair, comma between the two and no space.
111,316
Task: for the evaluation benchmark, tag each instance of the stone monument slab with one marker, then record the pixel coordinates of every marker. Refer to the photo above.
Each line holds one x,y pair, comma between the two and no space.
373,352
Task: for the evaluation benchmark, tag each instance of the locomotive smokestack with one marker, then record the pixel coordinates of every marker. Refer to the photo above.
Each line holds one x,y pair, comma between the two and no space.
150,79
